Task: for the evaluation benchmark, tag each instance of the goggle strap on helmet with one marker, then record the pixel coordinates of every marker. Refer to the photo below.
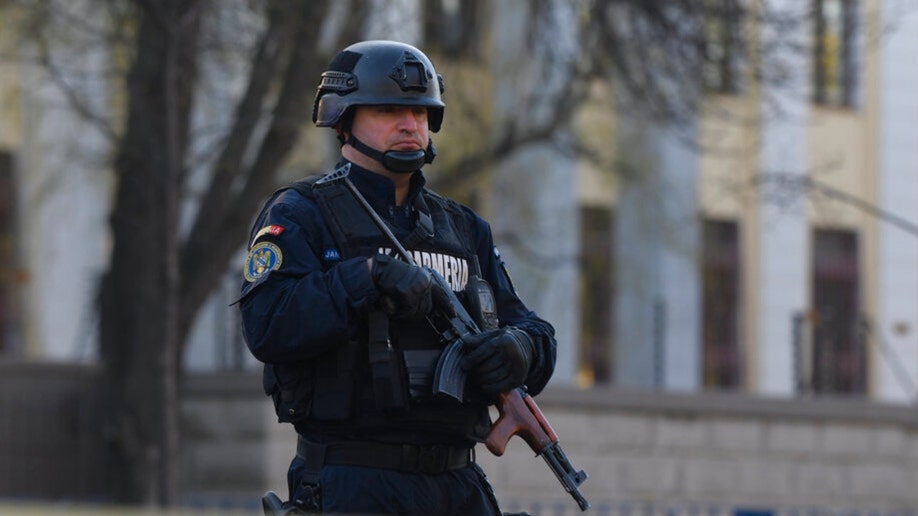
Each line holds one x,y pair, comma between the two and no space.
401,162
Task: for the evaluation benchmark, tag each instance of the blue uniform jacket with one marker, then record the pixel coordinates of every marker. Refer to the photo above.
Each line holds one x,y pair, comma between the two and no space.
299,298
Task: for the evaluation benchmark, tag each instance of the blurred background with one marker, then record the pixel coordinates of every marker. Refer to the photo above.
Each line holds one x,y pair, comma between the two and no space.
713,201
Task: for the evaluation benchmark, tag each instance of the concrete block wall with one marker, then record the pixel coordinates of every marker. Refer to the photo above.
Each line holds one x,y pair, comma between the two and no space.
51,435
718,453
233,449
642,450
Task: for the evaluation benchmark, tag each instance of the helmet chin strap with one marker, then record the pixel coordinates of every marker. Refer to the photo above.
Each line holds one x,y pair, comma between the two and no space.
402,162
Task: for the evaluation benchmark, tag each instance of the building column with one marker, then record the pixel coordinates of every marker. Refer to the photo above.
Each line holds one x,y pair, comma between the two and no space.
782,258
535,205
658,296
894,333
63,186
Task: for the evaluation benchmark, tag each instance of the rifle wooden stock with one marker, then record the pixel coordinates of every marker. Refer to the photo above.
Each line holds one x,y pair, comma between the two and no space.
519,415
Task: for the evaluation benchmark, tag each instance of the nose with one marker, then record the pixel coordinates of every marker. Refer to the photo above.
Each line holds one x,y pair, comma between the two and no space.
407,120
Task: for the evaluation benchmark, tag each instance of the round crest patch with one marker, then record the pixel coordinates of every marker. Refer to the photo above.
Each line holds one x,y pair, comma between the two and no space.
263,258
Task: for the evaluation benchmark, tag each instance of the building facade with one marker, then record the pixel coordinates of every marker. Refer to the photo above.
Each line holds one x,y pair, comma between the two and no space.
777,257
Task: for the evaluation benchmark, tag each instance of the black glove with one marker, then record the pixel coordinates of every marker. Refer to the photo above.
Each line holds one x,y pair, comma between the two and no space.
498,360
408,286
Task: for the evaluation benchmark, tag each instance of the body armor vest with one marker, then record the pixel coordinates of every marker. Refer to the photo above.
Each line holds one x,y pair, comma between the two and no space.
340,391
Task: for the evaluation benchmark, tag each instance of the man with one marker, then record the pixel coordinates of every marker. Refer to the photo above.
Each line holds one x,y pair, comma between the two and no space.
343,328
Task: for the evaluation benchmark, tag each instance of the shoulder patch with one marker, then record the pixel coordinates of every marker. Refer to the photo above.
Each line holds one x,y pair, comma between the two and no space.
331,255
273,230
263,258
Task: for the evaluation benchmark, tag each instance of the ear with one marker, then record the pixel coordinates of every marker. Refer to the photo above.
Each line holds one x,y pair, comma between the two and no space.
344,124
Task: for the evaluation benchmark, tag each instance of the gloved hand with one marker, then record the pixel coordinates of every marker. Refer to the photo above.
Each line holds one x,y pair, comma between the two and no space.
408,286
498,360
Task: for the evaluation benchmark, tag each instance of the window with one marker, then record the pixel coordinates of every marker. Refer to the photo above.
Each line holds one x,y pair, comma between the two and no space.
839,359
722,46
722,360
597,291
834,75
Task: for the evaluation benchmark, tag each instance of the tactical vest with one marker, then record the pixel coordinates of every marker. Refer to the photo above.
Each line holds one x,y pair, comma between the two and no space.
348,390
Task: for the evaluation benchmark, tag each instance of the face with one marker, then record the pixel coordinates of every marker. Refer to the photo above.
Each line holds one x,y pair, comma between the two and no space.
398,128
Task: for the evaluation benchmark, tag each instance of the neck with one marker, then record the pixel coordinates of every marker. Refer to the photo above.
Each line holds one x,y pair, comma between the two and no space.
402,182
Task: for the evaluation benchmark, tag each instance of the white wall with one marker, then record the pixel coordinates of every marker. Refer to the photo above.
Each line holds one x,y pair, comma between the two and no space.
783,259
535,211
896,328
63,192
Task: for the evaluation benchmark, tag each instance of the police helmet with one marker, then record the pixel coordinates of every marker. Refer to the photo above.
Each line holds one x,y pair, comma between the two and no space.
378,73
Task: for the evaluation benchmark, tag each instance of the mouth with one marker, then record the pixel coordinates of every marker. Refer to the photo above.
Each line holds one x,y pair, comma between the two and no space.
406,146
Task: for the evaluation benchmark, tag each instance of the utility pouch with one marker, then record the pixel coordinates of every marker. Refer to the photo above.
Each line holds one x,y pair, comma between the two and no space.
420,365
389,379
290,388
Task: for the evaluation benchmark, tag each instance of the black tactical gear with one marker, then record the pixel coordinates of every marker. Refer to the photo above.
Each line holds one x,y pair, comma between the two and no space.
350,379
360,380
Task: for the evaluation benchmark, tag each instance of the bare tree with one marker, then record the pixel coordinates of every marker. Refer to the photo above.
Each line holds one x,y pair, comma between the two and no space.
155,285
159,276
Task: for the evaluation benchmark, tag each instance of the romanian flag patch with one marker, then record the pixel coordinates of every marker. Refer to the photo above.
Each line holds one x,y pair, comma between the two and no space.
272,230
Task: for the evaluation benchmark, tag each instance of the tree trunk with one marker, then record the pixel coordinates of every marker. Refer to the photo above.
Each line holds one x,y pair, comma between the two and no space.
220,224
139,297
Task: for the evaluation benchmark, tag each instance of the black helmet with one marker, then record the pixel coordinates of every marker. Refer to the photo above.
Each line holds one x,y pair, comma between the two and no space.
375,73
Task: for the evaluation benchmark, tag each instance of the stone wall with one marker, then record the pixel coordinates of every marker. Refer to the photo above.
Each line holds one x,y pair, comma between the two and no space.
233,449
644,452
720,454
51,436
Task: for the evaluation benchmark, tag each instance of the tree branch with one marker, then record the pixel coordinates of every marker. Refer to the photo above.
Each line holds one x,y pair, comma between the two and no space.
226,231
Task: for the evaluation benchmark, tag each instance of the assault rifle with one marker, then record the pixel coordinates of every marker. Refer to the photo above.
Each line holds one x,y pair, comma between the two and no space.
518,412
